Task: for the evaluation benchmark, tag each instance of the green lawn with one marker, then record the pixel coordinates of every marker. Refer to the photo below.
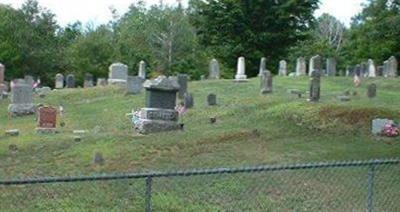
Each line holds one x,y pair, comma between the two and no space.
251,130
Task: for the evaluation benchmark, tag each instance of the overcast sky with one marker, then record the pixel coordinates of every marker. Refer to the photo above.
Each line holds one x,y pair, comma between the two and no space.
98,12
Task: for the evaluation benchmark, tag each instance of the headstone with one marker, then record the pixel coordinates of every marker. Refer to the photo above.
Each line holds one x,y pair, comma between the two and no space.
379,124
88,81
392,67
211,99
371,68
386,68
101,82
159,114
364,70
263,66
59,81
134,85
241,70
357,71
98,159
29,80
183,84
301,68
118,74
202,77
371,90
2,71
282,68
43,91
142,70
315,86
13,132
349,71
266,82
331,67
315,64
379,71
70,81
188,100
21,99
3,87
213,70
47,120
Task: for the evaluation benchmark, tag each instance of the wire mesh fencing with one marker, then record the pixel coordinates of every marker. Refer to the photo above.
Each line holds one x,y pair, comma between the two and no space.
336,186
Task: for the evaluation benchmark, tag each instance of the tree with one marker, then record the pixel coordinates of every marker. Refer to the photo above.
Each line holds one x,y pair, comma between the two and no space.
233,28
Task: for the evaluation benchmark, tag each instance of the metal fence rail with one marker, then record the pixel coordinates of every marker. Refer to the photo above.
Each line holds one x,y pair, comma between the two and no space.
329,186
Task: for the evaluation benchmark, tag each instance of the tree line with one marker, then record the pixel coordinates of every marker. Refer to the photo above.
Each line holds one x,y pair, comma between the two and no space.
174,39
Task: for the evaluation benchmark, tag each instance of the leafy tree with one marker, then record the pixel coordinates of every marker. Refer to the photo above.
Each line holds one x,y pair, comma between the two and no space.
233,28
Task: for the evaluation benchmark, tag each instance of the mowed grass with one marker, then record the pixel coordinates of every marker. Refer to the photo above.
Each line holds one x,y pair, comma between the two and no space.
251,129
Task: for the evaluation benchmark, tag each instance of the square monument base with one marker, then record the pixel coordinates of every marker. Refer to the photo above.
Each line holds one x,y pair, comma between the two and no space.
147,126
21,109
241,78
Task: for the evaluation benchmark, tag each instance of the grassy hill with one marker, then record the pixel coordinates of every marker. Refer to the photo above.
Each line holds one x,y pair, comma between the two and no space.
251,129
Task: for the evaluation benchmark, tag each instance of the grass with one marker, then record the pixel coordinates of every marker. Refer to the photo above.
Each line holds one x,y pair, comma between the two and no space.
251,129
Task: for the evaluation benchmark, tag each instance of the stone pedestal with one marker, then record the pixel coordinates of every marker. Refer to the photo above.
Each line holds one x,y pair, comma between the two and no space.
159,115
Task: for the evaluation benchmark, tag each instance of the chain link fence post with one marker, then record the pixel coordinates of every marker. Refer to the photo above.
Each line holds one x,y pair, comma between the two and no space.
371,176
149,182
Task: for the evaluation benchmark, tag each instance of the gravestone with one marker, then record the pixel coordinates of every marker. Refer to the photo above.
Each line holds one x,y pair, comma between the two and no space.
29,80
371,68
331,67
379,71
118,74
266,82
315,86
241,70
392,67
88,81
379,124
101,82
3,87
301,68
21,99
385,68
371,93
364,70
315,64
188,100
213,72
159,114
357,71
263,66
282,68
70,81
183,84
134,85
47,120
59,81
2,71
142,70
211,99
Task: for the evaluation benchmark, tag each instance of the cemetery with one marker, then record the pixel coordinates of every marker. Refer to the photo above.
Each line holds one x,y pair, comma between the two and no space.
147,134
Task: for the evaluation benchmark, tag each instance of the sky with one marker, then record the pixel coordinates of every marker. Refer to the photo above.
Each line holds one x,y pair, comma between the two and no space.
98,11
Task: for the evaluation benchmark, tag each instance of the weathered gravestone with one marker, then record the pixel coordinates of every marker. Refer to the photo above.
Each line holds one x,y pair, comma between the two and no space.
364,70
142,70
392,67
59,81
188,100
371,68
183,84
385,68
29,80
21,99
266,82
241,70
134,85
47,120
211,99
357,71
282,68
263,66
371,93
379,71
3,87
213,72
88,81
159,114
301,68
315,86
118,74
70,81
331,67
101,82
315,64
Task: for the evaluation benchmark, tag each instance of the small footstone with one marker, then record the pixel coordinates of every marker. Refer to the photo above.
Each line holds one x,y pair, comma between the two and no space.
77,138
344,98
98,158
14,132
213,120
13,147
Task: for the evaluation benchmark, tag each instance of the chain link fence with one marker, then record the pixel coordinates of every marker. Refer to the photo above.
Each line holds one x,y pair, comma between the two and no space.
336,186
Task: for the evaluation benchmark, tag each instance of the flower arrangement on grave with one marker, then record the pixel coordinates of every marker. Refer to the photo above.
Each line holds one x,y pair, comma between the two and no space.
391,130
